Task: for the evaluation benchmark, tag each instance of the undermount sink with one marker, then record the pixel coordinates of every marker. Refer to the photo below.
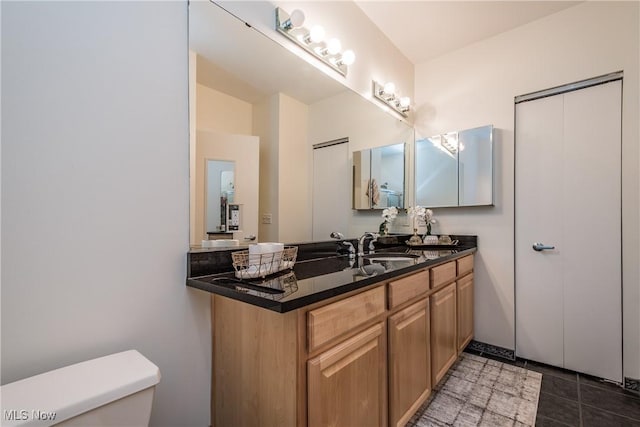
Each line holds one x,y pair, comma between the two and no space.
391,256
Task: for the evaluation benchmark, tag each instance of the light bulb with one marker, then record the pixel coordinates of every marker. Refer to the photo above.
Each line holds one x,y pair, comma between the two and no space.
389,88
348,57
316,35
297,18
405,101
334,46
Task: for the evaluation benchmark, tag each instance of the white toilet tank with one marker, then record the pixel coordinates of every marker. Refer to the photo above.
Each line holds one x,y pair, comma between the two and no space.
115,390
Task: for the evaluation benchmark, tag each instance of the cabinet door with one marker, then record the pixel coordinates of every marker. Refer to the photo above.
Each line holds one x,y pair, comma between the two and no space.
444,344
465,311
409,362
347,383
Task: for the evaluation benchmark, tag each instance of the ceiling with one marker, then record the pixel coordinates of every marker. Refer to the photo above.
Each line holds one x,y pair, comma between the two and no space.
423,30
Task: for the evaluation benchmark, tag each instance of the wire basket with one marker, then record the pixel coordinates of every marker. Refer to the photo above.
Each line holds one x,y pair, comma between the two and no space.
251,266
287,283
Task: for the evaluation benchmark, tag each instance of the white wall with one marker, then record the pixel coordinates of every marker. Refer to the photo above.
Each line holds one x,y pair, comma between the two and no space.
265,125
95,196
476,86
295,160
221,112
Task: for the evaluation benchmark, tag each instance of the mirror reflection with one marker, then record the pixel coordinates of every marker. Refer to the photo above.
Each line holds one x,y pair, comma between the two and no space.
244,85
436,173
220,192
379,177
455,169
475,175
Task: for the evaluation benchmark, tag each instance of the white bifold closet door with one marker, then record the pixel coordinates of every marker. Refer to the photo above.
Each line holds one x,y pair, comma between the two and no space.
568,196
331,189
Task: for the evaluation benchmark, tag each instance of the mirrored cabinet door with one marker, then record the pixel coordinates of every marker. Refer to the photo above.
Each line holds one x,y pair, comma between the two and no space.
455,169
436,173
475,166
379,177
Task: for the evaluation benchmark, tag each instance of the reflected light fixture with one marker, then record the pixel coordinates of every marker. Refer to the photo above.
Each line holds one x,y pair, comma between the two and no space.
450,142
387,95
329,52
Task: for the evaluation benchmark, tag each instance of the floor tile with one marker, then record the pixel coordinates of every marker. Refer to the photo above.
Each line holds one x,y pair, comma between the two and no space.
606,385
548,422
594,417
550,370
559,409
559,387
617,403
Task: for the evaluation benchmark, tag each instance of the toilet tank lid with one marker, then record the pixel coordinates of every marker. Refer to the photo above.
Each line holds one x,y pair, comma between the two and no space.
78,388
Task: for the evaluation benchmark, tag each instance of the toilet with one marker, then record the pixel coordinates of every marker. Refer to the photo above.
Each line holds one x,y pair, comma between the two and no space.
115,390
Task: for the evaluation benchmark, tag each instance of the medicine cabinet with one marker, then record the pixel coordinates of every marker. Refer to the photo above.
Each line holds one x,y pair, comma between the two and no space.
455,169
379,177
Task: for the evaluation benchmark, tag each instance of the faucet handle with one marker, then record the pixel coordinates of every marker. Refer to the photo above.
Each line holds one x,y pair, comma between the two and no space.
374,239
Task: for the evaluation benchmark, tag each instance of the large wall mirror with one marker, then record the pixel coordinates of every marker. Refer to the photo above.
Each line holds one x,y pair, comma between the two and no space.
455,169
244,84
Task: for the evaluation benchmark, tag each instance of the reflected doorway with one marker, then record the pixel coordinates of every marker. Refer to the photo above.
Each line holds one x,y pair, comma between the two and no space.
331,188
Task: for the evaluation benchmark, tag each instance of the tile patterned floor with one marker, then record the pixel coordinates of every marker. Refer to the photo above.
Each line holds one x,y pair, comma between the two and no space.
566,399
571,399
482,392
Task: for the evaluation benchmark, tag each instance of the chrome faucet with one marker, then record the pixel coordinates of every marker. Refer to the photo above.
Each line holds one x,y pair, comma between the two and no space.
339,236
374,238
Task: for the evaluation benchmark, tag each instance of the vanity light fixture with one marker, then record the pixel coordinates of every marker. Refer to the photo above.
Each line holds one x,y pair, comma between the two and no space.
387,95
450,142
313,40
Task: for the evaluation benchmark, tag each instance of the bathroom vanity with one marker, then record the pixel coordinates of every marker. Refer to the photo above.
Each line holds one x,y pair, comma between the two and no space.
340,346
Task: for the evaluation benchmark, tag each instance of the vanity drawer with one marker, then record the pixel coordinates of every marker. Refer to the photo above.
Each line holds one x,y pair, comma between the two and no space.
407,288
443,274
465,265
333,320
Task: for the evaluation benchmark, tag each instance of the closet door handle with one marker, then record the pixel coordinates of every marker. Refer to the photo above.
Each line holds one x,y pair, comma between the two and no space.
539,247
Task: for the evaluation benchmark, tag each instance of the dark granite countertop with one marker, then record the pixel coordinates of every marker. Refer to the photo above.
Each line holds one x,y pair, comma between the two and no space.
316,280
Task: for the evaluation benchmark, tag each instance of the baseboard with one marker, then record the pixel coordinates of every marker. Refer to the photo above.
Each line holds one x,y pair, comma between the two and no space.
632,384
492,350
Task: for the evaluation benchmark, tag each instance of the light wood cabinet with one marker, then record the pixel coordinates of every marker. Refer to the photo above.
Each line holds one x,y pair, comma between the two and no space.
408,288
464,297
443,274
347,383
444,344
409,362
465,265
366,358
338,318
